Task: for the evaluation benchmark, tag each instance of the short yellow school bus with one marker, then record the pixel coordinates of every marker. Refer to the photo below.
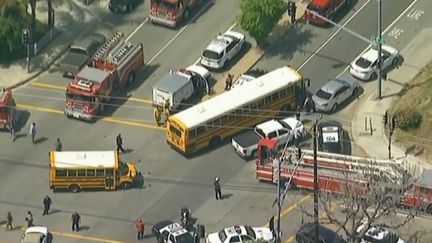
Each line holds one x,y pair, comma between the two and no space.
277,93
76,170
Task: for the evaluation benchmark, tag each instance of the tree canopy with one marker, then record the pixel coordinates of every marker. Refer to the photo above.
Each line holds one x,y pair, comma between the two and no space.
258,17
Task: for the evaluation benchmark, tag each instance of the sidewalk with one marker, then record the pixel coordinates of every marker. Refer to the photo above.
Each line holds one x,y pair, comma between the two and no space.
70,18
255,53
416,55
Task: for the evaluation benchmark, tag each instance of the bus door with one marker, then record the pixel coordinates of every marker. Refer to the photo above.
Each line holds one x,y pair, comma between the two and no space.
301,91
109,179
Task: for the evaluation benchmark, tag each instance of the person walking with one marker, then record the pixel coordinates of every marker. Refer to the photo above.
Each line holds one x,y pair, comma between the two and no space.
32,131
76,219
229,81
157,115
29,219
119,142
140,229
47,204
217,188
58,145
9,221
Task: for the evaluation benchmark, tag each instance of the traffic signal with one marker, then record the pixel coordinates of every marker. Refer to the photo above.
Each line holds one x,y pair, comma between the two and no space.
291,8
25,36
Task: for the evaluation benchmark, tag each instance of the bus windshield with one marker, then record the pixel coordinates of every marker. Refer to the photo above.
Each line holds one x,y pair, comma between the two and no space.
123,168
78,97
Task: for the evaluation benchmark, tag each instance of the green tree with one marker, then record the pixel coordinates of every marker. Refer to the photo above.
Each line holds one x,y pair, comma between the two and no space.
13,19
258,17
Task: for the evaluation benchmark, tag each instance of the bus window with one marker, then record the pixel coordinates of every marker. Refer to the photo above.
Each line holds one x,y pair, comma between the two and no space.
275,96
100,172
239,112
192,133
109,172
60,173
201,129
81,172
268,99
72,173
260,103
90,172
283,93
224,120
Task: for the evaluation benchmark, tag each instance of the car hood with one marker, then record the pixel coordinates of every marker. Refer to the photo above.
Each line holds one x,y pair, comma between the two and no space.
263,233
37,229
213,238
319,101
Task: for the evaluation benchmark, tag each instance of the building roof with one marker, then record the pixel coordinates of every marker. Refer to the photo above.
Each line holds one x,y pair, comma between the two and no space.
171,82
78,159
239,97
93,75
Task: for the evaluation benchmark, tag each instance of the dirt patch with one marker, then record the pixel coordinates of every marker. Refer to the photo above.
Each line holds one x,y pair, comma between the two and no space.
416,96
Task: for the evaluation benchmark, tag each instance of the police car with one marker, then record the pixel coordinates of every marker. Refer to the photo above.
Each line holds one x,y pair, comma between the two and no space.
240,234
222,49
378,234
169,232
330,137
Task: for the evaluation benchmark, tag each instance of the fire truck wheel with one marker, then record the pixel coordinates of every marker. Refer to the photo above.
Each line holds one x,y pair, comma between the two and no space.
131,78
125,185
74,188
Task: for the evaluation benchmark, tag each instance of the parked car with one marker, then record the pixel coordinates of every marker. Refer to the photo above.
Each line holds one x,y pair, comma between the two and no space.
334,93
222,49
122,6
330,137
365,66
170,232
327,8
246,144
378,234
35,234
239,234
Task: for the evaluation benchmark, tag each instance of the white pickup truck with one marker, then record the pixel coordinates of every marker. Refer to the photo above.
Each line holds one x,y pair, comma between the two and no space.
178,87
246,144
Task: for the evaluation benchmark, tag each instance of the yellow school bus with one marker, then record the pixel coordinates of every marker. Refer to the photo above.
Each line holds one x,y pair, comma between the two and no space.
76,170
277,93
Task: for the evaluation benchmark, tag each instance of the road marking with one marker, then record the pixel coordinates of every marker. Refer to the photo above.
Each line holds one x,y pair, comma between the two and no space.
115,120
332,36
166,45
136,29
61,87
230,28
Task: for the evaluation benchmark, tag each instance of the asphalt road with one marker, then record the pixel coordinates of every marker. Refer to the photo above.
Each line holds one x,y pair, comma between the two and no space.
172,180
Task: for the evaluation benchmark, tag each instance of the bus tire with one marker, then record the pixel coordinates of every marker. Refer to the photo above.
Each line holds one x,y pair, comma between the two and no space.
429,209
125,185
215,141
284,111
74,188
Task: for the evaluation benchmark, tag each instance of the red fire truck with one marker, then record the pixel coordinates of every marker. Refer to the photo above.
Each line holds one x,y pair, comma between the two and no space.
7,108
171,12
113,67
335,172
326,8
420,194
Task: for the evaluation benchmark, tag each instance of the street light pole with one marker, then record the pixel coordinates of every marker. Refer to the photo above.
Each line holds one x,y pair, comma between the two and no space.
379,66
316,216
278,236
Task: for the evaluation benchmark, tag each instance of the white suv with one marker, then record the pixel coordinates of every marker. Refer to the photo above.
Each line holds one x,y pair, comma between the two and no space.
222,49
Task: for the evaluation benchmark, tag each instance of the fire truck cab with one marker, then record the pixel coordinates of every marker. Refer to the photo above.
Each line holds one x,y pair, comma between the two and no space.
171,12
7,108
327,8
420,194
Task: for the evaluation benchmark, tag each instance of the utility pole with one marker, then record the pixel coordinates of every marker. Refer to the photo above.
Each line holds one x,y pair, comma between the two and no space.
278,229
316,217
391,126
379,39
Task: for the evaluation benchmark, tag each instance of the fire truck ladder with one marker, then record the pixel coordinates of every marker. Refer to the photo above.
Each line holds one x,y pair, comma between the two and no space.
118,55
108,46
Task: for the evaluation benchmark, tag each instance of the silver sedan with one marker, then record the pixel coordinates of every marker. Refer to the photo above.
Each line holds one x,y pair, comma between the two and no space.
335,92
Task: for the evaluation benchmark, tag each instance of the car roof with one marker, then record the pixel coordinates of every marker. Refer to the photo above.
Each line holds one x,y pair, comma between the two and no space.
219,44
333,85
326,123
175,229
291,121
269,126
321,3
372,54
235,230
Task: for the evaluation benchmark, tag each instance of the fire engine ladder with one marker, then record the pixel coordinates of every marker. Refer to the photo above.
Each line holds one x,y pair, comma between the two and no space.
119,54
391,169
103,51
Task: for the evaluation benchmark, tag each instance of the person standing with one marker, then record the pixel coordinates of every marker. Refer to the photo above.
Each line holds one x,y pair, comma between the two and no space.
58,145
76,219
217,188
157,115
32,131
140,229
47,204
9,221
119,142
29,219
229,81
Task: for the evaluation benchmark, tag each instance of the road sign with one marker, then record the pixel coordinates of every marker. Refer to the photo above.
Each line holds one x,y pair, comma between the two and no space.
376,40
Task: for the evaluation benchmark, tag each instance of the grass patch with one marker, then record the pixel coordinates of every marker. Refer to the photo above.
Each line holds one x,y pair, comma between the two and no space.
414,111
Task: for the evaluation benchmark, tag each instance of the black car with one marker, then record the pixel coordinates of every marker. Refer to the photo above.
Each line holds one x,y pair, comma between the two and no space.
122,6
330,137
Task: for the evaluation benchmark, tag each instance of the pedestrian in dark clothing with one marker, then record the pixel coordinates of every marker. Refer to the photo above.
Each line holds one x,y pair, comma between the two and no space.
217,188
29,219
298,113
140,229
76,219
229,81
271,226
58,145
47,204
32,131
119,142
293,15
9,220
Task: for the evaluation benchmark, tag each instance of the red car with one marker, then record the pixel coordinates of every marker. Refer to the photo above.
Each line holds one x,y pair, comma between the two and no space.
326,8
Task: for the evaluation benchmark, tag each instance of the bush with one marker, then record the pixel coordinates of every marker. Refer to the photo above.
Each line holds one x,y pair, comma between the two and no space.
407,118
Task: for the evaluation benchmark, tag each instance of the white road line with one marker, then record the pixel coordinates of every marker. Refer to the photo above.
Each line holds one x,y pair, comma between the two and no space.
332,36
230,28
385,31
136,29
167,44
